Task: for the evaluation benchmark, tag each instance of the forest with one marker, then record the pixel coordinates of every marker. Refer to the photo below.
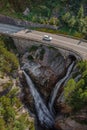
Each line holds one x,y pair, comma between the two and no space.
70,16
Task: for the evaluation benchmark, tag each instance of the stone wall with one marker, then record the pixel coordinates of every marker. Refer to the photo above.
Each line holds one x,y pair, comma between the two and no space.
23,44
23,23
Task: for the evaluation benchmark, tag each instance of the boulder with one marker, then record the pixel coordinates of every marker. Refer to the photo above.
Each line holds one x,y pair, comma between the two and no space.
26,12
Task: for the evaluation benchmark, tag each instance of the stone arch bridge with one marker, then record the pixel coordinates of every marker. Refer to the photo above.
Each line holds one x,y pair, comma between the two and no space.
24,38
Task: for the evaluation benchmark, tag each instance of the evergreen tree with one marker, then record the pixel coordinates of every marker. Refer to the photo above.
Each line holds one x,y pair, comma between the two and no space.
80,14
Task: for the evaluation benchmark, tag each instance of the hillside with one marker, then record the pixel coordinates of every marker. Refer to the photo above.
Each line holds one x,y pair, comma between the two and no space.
40,6
13,115
70,17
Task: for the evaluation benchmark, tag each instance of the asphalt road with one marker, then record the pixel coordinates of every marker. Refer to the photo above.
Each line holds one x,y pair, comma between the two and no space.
38,36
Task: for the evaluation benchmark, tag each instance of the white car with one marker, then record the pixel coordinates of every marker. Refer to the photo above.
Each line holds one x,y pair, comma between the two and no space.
47,38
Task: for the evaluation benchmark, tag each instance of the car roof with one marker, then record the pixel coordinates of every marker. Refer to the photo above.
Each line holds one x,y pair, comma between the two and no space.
46,36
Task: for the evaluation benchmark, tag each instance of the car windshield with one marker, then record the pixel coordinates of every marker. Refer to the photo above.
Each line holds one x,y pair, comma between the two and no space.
46,36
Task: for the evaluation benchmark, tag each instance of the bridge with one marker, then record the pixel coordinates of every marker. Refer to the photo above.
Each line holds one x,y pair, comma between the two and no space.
23,38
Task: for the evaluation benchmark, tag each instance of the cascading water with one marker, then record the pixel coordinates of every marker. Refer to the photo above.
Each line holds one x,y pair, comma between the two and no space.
57,86
43,113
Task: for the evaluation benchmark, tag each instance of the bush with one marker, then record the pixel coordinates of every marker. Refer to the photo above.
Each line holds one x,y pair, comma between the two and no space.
54,21
76,92
77,34
11,118
33,48
9,62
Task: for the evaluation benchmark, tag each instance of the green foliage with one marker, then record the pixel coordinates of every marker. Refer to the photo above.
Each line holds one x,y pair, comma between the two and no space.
72,21
78,34
2,124
69,88
66,17
63,30
6,109
42,52
9,43
81,25
79,22
42,10
33,48
19,125
54,21
10,117
76,93
7,85
80,14
82,66
9,62
10,104
68,13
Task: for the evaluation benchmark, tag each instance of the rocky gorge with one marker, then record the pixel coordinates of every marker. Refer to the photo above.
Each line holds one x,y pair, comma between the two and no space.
44,73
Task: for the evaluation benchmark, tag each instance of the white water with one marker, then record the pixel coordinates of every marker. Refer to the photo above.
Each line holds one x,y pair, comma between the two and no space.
44,115
42,111
57,86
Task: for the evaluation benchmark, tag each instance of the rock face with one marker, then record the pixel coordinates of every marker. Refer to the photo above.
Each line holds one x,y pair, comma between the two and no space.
26,12
45,65
69,124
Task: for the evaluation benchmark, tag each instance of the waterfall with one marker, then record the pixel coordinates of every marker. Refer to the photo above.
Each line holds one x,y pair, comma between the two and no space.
42,111
57,86
45,115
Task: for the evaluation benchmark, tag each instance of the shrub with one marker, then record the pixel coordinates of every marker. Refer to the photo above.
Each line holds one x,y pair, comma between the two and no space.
9,62
76,92
54,21
33,48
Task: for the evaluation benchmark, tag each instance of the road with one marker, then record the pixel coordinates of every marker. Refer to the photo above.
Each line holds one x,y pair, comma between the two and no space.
38,36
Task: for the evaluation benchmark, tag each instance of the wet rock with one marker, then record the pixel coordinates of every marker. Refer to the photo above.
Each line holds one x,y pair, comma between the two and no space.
45,65
61,104
43,77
